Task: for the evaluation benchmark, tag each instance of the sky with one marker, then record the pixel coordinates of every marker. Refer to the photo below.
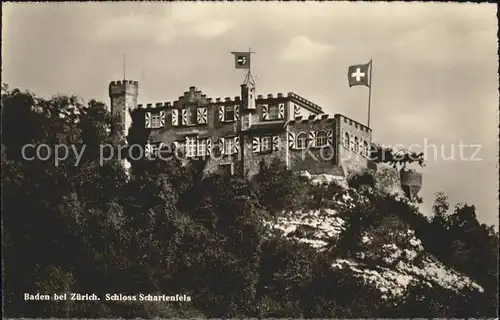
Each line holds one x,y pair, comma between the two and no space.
434,80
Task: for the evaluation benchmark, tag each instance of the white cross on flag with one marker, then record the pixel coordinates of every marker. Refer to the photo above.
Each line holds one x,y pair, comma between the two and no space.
358,75
241,60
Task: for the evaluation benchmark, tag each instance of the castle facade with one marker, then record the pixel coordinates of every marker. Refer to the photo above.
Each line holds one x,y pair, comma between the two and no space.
241,132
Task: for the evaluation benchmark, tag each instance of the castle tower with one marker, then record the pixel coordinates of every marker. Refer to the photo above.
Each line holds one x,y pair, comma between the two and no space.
248,105
123,96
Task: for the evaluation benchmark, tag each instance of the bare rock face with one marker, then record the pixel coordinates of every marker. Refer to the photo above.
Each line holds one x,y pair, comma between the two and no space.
392,257
325,178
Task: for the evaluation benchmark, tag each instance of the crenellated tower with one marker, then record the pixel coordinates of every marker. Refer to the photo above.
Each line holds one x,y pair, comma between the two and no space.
123,95
247,105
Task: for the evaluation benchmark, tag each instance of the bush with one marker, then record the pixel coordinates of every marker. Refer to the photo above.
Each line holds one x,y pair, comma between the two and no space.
279,188
168,229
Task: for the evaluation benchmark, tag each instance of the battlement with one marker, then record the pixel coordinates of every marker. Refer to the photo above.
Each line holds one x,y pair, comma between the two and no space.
225,101
192,95
270,96
123,87
312,119
295,97
157,105
353,123
124,82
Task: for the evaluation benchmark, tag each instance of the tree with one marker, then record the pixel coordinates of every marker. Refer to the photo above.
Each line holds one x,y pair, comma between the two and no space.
85,225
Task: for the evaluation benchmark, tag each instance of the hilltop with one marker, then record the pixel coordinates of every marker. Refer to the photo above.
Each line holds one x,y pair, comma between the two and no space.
282,245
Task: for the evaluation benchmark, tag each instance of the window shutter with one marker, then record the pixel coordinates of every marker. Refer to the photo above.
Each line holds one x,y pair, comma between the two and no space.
281,111
179,148
162,119
264,112
366,148
175,117
255,145
296,111
221,114
147,150
221,145
276,143
312,138
236,145
187,147
147,119
201,114
236,112
184,117
209,146
291,140
329,137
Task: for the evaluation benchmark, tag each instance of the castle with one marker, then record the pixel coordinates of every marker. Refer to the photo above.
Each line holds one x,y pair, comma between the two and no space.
246,130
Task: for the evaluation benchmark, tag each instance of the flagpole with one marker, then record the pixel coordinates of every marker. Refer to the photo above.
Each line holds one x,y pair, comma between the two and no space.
124,65
248,75
249,62
370,92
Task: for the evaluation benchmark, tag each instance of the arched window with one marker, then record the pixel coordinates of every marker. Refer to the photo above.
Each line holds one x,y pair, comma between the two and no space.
366,149
320,139
346,141
301,140
356,144
361,147
352,143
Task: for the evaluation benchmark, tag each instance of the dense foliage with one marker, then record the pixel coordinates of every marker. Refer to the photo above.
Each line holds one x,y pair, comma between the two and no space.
167,229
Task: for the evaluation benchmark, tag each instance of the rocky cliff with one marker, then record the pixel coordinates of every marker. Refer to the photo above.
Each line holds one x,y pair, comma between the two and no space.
391,262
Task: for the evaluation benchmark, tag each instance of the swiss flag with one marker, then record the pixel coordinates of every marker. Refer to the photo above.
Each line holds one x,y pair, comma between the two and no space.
241,60
358,75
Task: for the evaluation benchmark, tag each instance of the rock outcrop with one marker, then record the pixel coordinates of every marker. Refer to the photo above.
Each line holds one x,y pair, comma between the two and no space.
391,267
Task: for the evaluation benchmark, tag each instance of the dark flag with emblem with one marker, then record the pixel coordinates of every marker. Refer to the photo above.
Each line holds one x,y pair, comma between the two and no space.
241,60
358,75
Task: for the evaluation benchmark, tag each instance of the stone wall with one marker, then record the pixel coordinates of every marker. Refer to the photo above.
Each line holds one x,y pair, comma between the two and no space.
353,139
253,159
311,158
123,96
336,158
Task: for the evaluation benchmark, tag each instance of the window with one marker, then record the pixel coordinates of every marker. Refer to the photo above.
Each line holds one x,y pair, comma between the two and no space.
366,149
228,145
155,120
356,144
190,116
229,116
273,112
301,141
190,147
352,144
346,141
202,147
155,148
321,139
265,145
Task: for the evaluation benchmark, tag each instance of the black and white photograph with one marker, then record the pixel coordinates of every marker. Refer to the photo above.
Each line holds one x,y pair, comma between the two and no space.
251,159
